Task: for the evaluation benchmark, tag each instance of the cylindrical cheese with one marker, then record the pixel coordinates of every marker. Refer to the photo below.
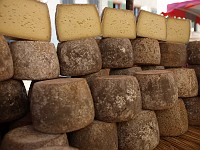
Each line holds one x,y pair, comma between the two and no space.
146,51
193,51
152,67
61,105
127,71
173,121
116,98
197,71
13,100
173,54
34,60
140,133
57,148
26,138
192,105
158,89
97,136
79,57
116,53
6,62
186,81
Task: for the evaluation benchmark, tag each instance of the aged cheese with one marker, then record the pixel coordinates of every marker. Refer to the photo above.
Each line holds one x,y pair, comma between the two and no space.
158,89
186,81
152,67
61,105
6,62
79,57
192,105
193,50
116,53
140,133
151,25
34,60
173,55
77,21
25,19
26,138
116,98
127,71
173,121
97,136
117,23
178,30
146,51
57,148
197,71
13,100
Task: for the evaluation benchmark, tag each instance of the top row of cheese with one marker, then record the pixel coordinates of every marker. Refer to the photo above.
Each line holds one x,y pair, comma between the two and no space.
29,19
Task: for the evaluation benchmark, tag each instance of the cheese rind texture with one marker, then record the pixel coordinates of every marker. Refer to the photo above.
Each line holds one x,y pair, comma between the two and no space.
151,25
118,23
193,51
178,30
25,19
75,22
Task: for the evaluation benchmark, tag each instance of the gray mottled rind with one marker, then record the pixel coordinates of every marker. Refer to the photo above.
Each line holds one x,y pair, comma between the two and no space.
57,148
152,67
192,105
116,98
34,60
186,81
61,105
6,62
146,51
140,133
116,53
13,100
127,71
173,54
173,121
193,51
97,136
26,138
158,89
79,57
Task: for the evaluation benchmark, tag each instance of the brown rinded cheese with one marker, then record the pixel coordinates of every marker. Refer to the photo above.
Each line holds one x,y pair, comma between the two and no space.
158,89
192,105
152,67
57,148
146,51
34,60
116,53
140,133
116,98
6,62
197,71
186,81
127,71
173,121
193,51
79,57
61,105
13,100
26,138
173,54
97,136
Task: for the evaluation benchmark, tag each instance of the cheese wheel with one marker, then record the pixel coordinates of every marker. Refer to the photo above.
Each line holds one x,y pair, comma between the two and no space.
127,71
61,105
25,19
152,67
140,133
193,50
26,138
158,89
146,51
186,81
116,98
6,62
116,53
173,121
34,60
79,57
97,136
57,148
13,100
173,55
197,71
192,105
151,25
